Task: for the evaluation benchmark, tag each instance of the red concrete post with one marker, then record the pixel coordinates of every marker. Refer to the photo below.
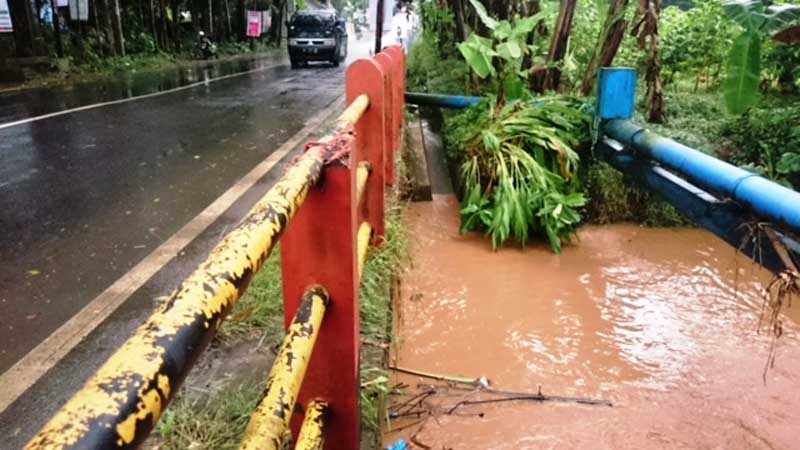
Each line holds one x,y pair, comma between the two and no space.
399,57
366,77
386,64
319,247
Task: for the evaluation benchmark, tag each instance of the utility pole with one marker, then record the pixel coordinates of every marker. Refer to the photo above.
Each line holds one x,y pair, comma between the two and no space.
379,27
57,29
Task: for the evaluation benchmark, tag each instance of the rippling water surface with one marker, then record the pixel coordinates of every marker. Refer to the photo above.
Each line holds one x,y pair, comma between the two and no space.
662,322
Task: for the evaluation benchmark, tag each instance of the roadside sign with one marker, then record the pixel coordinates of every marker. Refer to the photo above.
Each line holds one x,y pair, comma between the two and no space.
5,18
253,23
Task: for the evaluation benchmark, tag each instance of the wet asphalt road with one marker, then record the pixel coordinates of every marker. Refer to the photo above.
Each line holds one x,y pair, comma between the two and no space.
16,105
85,196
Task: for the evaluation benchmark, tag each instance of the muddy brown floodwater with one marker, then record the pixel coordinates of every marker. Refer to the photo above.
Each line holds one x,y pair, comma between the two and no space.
661,322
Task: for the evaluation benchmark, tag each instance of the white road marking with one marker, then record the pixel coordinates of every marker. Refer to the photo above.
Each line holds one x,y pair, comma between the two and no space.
28,370
130,99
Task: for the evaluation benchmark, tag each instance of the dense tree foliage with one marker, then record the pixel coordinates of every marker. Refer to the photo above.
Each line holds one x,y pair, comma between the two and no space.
116,28
519,151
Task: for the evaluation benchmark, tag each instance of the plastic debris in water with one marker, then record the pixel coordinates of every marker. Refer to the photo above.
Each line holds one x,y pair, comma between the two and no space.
399,445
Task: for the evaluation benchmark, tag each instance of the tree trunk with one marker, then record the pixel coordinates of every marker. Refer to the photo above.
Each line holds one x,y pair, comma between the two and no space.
645,29
550,78
608,43
176,25
277,22
458,9
228,31
27,36
152,23
164,33
527,9
140,10
210,20
106,30
57,29
242,22
116,21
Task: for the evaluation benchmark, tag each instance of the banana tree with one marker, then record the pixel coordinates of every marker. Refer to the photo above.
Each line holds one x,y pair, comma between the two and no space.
759,21
500,56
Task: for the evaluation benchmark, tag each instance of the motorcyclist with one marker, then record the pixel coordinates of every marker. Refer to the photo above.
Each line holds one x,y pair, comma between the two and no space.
206,48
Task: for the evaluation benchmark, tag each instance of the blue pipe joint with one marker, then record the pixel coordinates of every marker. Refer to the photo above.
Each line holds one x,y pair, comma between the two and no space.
772,201
616,93
442,100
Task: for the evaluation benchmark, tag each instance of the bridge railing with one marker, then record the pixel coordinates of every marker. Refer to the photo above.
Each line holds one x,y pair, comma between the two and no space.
326,210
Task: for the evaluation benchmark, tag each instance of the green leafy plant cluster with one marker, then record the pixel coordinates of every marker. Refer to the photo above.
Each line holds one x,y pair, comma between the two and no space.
520,169
428,71
433,63
759,20
766,141
500,57
695,42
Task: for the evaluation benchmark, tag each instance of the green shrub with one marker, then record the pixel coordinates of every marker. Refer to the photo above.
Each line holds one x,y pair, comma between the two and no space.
520,169
693,119
427,71
612,199
767,141
608,195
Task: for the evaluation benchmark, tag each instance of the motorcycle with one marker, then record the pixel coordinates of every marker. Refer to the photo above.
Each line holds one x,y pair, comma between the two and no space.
205,48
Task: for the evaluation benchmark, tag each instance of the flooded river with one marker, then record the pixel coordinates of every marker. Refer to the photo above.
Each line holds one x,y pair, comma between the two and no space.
660,322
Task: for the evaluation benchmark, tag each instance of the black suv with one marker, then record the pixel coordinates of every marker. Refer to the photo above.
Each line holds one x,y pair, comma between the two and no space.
316,35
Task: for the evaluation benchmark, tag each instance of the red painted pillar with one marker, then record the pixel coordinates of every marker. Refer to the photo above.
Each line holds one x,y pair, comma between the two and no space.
399,57
366,77
319,247
386,64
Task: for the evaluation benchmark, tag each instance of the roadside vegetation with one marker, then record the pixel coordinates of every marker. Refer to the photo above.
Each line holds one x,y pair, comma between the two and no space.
210,414
124,36
723,77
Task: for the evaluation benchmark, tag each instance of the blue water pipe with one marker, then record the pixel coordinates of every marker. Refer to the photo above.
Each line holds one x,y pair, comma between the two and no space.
768,199
771,201
442,100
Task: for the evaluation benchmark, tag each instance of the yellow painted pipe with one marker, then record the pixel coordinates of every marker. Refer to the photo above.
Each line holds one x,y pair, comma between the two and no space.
362,174
364,234
122,401
354,111
270,421
311,432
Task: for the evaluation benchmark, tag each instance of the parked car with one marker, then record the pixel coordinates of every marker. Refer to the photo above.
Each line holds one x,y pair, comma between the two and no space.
316,35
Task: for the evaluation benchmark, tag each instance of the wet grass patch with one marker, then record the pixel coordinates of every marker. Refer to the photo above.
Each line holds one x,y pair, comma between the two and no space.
205,422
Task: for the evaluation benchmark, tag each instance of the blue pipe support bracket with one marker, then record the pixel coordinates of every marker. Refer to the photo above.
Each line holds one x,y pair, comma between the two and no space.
442,100
768,199
616,93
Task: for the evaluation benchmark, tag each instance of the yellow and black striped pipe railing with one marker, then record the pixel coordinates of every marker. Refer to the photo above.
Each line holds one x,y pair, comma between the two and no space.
269,422
311,435
119,405
268,426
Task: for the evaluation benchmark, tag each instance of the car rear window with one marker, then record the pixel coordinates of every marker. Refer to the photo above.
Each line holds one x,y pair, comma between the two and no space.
309,20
